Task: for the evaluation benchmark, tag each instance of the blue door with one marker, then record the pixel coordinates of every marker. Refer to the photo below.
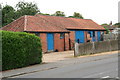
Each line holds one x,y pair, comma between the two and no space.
79,36
98,35
50,41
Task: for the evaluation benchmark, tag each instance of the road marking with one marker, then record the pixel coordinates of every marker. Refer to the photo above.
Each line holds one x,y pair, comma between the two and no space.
106,77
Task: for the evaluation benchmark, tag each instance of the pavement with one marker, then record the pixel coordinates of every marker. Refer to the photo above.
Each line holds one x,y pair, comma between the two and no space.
57,56
55,60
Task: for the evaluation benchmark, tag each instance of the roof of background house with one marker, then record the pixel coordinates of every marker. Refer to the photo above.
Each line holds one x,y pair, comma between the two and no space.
44,23
110,27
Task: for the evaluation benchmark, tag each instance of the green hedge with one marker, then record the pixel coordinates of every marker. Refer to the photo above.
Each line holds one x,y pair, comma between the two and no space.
20,49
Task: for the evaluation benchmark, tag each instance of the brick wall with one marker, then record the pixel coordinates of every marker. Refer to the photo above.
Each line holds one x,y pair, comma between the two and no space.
62,44
72,39
85,34
43,37
58,43
66,41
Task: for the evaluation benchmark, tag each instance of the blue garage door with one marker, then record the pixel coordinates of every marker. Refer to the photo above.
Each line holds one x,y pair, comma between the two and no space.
79,36
98,35
50,41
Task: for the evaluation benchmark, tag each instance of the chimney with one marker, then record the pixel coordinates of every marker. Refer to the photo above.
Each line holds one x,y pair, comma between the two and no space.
110,23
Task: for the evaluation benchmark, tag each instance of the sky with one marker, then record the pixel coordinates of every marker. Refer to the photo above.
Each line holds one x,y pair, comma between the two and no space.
100,11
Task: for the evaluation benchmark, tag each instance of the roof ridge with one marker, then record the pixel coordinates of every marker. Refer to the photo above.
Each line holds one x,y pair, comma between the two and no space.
51,15
61,17
25,22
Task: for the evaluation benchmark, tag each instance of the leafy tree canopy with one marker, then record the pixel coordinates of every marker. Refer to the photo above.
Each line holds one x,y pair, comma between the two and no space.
26,8
58,13
44,14
7,14
104,24
23,8
77,15
107,30
117,23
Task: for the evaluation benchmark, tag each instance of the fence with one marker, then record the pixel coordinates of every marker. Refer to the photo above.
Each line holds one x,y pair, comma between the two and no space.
95,47
110,36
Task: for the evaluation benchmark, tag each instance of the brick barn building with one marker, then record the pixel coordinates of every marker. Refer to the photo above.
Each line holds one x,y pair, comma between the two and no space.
57,33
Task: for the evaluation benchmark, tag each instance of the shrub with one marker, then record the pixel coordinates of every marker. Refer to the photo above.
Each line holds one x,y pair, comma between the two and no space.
20,49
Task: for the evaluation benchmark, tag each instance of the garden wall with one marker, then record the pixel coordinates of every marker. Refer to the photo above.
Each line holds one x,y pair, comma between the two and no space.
95,47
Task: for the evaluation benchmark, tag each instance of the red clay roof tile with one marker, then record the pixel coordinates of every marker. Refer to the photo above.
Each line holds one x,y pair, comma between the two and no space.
17,25
73,23
42,23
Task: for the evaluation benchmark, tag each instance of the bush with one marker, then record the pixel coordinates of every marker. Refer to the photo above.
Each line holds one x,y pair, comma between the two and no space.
20,49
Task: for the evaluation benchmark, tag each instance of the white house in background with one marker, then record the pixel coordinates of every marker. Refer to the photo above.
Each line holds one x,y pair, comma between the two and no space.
116,31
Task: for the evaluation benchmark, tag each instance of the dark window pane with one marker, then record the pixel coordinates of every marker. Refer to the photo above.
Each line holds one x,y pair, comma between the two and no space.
37,34
62,35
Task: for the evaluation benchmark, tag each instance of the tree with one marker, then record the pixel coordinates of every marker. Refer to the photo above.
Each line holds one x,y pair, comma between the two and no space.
44,14
107,30
26,8
117,23
105,24
7,14
77,15
59,13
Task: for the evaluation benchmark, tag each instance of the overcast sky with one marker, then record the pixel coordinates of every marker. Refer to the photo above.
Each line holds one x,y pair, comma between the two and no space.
101,11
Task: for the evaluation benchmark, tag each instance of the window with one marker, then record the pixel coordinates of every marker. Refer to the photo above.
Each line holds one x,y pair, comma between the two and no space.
62,35
89,33
92,33
37,34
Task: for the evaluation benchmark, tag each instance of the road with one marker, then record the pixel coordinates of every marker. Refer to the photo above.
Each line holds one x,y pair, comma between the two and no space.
105,66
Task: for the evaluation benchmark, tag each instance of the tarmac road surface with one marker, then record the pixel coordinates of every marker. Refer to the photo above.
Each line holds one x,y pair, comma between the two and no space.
105,66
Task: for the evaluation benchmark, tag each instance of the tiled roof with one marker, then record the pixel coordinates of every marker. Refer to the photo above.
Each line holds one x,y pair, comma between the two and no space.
17,25
35,23
86,24
73,23
43,23
110,27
